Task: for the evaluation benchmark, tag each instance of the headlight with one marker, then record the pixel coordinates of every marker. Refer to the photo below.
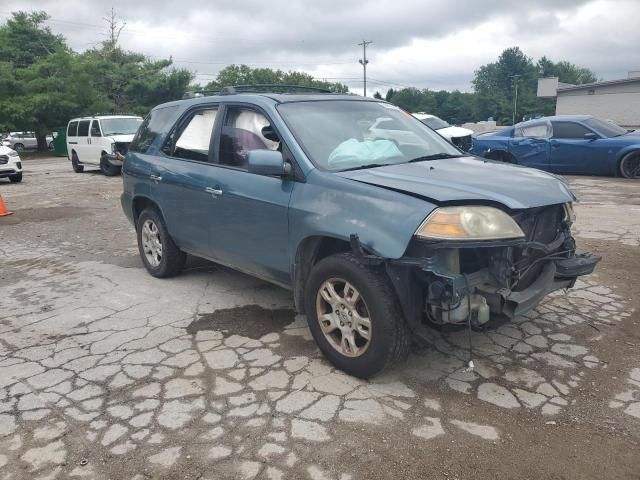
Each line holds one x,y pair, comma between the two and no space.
113,148
13,153
569,213
469,223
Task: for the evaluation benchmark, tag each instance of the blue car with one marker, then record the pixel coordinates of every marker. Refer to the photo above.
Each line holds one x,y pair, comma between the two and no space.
566,144
377,234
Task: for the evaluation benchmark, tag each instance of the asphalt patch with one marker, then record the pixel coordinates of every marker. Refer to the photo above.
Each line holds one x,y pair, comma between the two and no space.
250,321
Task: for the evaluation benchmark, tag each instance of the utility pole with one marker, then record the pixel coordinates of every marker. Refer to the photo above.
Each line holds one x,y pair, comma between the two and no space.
515,98
363,61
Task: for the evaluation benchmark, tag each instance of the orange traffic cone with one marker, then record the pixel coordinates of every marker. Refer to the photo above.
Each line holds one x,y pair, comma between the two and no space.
3,208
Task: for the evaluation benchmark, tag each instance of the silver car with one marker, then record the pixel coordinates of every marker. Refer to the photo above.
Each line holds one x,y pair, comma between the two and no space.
20,141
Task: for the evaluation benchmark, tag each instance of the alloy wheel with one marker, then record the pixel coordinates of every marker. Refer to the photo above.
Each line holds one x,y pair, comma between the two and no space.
151,243
343,317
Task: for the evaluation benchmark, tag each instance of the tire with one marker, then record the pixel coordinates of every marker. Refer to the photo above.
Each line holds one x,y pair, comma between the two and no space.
50,145
107,169
171,259
17,178
75,163
389,337
18,147
630,165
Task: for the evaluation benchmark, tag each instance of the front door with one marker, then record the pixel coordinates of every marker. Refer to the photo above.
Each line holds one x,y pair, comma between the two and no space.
570,152
250,230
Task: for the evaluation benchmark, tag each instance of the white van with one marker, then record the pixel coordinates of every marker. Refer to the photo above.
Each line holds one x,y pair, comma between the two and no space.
101,140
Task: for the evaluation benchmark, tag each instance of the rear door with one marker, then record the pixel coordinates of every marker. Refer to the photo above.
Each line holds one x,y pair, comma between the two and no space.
570,152
184,172
530,145
82,147
72,137
250,229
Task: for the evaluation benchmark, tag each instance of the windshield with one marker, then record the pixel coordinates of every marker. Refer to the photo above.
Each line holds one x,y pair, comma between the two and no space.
608,129
435,123
349,134
120,126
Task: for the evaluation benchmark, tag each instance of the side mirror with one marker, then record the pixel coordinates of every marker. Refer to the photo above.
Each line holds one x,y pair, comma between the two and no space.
267,162
590,136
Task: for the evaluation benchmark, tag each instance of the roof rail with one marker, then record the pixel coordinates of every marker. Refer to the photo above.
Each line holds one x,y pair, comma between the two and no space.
256,88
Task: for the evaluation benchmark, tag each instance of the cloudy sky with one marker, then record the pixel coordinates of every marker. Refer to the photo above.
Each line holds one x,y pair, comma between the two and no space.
424,43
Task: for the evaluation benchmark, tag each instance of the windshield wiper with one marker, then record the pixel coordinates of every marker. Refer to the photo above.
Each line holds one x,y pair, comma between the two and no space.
435,156
368,165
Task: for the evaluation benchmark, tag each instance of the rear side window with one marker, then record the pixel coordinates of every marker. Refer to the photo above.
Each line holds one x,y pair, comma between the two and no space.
193,141
72,129
538,130
569,130
156,124
83,128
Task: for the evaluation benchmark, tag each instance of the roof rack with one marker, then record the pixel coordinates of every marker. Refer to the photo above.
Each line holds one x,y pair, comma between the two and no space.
256,88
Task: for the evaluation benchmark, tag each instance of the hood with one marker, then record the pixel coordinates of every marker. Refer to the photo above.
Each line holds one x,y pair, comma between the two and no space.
454,132
122,138
5,150
469,179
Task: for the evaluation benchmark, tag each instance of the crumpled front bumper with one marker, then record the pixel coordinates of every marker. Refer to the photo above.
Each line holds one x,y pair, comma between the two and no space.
556,275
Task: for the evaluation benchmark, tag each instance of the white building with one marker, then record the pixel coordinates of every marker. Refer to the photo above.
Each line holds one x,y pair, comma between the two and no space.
616,100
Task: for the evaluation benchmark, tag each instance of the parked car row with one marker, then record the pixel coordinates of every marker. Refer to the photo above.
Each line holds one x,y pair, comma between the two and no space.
20,141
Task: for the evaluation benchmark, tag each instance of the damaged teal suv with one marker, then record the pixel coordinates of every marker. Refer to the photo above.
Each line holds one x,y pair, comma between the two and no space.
378,225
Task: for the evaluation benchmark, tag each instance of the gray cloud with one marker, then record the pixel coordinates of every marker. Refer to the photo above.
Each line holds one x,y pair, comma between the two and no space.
412,38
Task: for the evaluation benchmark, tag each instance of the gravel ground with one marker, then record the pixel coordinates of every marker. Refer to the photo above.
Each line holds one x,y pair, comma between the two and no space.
108,373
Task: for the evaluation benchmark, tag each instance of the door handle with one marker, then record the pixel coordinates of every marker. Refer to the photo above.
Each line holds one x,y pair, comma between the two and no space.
155,178
213,191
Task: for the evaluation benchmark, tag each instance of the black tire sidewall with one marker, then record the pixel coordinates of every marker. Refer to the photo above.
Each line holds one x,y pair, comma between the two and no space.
108,169
383,312
75,164
17,178
622,163
172,258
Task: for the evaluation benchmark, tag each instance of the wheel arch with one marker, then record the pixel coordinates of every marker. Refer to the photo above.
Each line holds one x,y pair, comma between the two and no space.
309,252
631,149
141,203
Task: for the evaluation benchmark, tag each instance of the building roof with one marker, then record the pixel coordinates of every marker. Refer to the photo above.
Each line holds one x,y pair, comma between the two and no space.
566,87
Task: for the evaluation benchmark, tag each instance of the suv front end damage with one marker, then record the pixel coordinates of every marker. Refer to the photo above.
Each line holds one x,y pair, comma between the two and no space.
460,281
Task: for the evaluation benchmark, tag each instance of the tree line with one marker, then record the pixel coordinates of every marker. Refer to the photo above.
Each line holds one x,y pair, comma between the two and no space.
44,83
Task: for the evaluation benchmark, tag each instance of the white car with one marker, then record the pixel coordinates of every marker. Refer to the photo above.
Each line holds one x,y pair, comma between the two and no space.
460,137
10,164
20,141
101,140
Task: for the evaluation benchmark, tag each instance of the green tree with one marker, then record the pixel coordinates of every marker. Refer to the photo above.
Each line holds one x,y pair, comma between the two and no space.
377,95
24,39
566,72
245,75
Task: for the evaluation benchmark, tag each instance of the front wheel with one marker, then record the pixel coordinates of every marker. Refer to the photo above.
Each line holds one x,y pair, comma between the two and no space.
75,163
108,169
630,165
17,178
160,255
354,316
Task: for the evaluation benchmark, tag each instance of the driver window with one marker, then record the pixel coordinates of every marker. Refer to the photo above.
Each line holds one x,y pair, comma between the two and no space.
95,129
569,130
245,130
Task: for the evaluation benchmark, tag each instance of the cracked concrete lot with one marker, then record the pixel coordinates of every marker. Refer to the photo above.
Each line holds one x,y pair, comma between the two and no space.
108,373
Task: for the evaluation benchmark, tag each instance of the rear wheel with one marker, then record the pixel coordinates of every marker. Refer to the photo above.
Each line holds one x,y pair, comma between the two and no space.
108,169
354,316
75,163
17,178
18,147
160,255
630,165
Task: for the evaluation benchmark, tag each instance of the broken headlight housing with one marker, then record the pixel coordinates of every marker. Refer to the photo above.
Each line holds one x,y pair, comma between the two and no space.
472,222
